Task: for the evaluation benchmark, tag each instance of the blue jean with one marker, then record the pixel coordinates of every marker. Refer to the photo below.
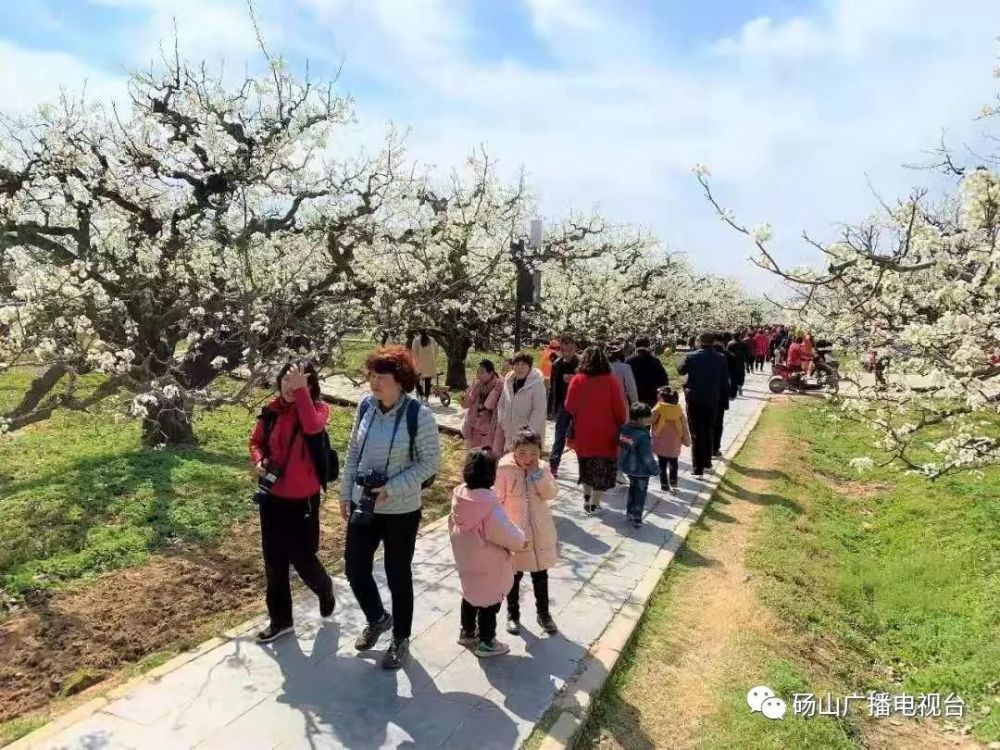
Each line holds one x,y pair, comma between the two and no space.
563,421
637,488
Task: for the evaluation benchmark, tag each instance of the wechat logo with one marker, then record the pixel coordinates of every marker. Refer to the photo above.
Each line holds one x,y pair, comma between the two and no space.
762,699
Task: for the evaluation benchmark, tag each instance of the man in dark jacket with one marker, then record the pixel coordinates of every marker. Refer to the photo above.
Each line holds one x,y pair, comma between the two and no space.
707,387
737,369
563,370
733,367
649,372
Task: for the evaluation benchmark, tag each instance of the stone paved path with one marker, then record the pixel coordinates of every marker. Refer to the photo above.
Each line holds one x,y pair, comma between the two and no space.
314,691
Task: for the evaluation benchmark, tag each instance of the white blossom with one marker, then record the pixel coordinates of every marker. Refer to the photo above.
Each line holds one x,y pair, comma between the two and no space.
862,463
763,233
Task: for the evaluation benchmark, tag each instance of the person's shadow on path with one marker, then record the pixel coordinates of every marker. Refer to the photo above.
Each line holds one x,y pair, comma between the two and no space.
349,700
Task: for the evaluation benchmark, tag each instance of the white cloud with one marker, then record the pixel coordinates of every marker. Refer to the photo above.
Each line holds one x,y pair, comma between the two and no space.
549,17
795,39
211,30
791,114
31,77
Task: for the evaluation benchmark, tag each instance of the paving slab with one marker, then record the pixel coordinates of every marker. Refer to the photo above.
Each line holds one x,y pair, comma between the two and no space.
314,691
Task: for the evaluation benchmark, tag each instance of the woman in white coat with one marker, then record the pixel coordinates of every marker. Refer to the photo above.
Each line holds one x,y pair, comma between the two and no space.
523,404
425,354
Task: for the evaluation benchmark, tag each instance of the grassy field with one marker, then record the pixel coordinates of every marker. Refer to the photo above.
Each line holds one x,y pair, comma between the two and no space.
114,557
807,578
79,497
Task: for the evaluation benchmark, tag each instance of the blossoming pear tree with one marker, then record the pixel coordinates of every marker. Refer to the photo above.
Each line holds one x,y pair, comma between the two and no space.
204,229
647,293
919,284
450,268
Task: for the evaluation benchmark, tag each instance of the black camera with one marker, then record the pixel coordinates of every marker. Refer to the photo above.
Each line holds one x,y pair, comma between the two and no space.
265,483
364,511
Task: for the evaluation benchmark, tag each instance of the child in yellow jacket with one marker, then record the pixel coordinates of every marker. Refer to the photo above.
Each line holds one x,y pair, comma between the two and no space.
670,432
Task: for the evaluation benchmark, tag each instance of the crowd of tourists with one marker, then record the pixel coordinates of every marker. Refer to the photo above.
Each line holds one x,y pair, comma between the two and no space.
613,405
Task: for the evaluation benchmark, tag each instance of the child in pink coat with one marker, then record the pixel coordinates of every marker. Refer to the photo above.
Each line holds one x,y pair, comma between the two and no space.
526,487
483,540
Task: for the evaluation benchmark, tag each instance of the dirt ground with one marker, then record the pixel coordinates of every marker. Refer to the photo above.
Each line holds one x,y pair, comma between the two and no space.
712,605
82,640
65,641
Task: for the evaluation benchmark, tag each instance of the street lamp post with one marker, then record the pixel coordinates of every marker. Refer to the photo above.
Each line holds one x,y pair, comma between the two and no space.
517,251
526,283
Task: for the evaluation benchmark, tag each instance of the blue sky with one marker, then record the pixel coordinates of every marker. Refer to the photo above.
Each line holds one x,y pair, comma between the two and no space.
797,107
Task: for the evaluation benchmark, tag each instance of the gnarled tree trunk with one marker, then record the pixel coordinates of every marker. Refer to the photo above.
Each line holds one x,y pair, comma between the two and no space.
457,350
168,422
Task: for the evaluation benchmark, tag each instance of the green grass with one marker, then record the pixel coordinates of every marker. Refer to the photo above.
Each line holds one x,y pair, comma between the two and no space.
78,494
904,573
896,582
15,729
734,726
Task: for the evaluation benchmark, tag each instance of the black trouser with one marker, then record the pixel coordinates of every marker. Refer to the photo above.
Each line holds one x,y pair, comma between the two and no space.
540,583
485,618
720,417
289,534
668,462
398,532
748,364
426,390
760,362
701,421
564,421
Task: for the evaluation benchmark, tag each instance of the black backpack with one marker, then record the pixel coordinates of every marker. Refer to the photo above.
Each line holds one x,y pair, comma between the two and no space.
412,416
324,455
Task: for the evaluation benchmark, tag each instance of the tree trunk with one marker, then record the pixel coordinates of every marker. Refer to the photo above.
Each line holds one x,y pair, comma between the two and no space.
457,351
168,423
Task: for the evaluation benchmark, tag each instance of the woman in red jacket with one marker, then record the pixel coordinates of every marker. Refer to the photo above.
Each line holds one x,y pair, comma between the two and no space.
597,405
289,512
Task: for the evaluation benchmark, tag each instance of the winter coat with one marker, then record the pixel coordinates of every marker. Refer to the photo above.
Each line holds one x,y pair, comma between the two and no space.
483,539
650,374
707,377
559,388
737,368
598,408
636,452
298,478
374,434
745,352
526,408
794,356
733,365
670,430
626,377
527,505
760,342
480,422
425,357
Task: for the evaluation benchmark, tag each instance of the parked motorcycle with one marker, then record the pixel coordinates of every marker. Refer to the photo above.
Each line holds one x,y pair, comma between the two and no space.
826,373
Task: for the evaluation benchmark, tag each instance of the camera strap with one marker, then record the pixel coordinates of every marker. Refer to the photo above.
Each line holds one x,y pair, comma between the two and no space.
402,406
